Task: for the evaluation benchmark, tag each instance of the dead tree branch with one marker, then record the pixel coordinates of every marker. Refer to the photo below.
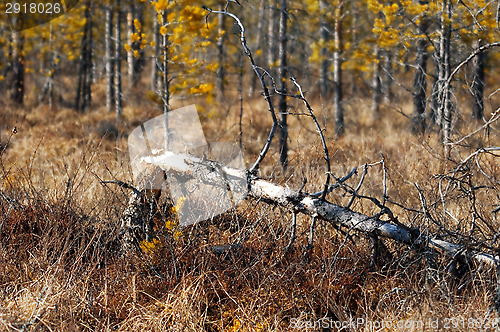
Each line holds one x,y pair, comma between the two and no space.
320,133
260,75
318,208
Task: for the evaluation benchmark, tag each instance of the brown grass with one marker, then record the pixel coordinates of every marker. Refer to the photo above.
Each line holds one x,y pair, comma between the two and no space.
62,268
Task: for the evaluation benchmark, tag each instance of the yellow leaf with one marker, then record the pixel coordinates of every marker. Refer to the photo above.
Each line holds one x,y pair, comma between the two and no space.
137,24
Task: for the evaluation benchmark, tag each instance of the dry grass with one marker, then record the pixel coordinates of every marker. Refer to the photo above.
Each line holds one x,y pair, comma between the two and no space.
59,243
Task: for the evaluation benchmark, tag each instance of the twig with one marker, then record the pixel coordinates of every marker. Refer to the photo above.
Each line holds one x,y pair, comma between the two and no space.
320,132
384,181
311,233
476,52
365,171
124,185
255,68
294,231
11,201
338,184
494,118
304,182
33,316
240,83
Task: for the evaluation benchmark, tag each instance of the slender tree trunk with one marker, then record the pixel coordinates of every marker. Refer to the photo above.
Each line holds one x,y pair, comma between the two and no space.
48,89
258,43
54,60
90,63
445,107
477,87
84,88
240,88
353,75
141,60
118,63
271,36
323,76
130,55
376,83
53,69
80,70
18,70
387,77
282,75
109,58
420,81
166,83
337,74
165,76
433,117
220,57
135,63
154,66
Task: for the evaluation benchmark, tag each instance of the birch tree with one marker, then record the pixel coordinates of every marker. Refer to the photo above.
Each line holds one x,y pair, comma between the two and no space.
271,35
420,80
337,72
118,62
477,86
84,85
109,57
444,64
221,75
135,57
18,68
324,36
282,78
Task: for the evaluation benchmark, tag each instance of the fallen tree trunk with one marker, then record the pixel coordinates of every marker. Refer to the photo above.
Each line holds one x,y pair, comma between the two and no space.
310,204
341,216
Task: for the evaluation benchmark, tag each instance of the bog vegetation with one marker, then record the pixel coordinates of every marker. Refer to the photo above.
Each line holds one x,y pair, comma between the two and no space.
406,91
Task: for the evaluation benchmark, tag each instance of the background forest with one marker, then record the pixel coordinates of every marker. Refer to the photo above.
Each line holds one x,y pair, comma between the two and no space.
406,91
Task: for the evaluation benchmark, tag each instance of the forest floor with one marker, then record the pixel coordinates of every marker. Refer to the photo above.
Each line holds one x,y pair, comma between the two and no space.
62,268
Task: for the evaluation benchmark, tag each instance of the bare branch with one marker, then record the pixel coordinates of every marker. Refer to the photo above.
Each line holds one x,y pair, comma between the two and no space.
494,118
320,132
477,51
365,171
265,89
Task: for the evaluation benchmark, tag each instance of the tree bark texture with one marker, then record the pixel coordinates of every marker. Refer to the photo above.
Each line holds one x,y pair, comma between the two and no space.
323,75
84,88
118,62
220,56
155,82
376,82
387,83
165,72
337,75
477,87
420,81
18,69
109,58
282,76
444,107
271,36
